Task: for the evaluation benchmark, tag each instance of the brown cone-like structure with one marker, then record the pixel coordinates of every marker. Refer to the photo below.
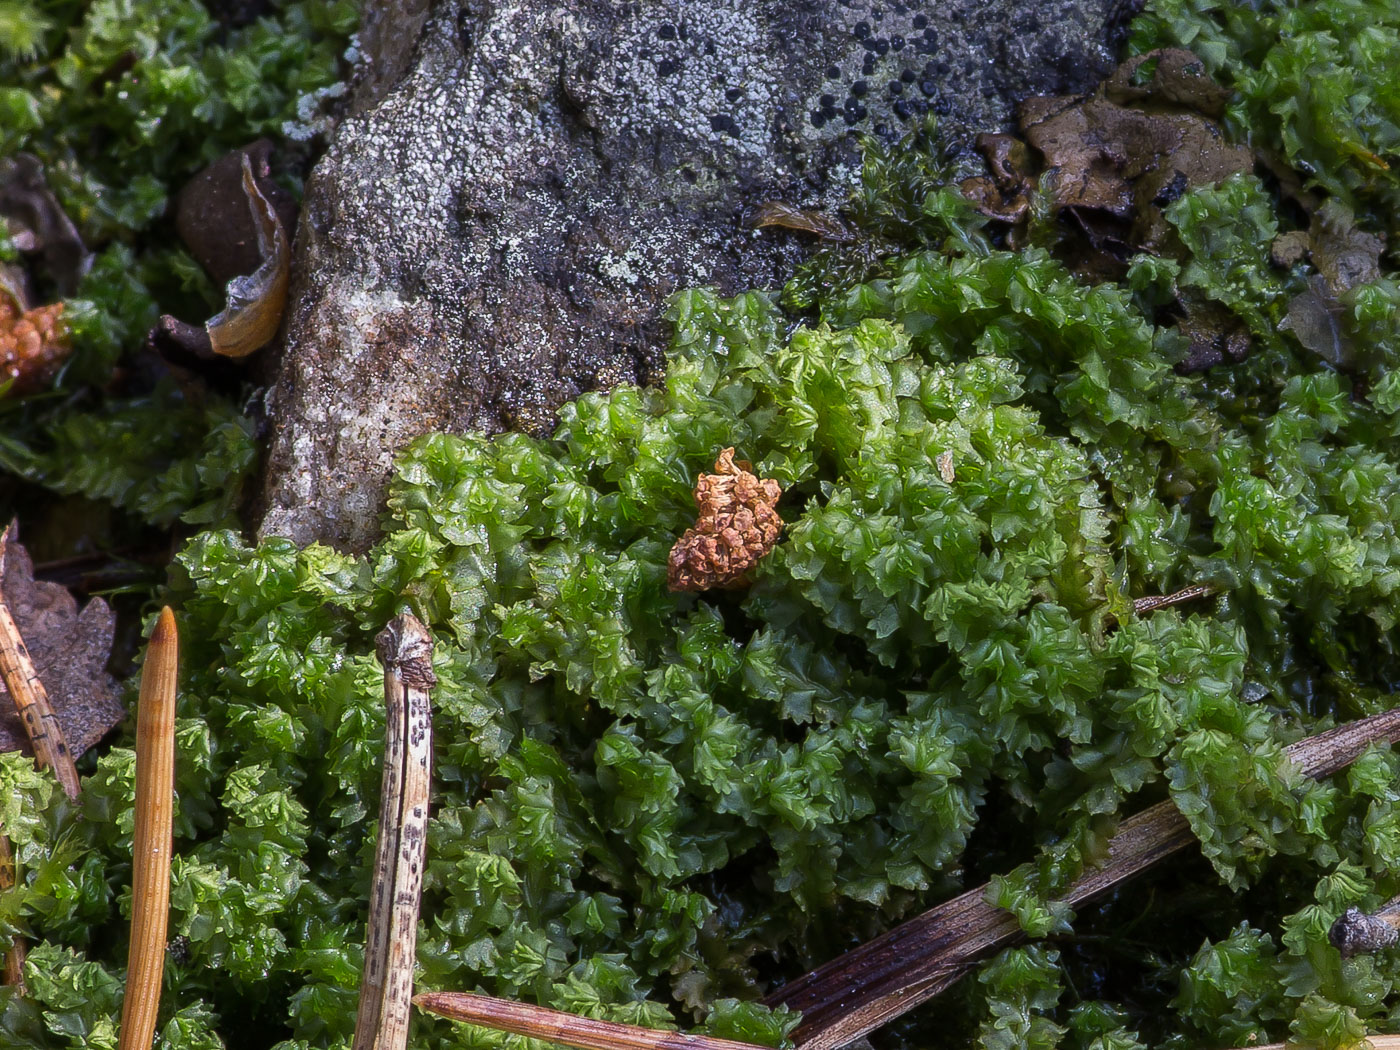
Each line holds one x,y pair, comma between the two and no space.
737,525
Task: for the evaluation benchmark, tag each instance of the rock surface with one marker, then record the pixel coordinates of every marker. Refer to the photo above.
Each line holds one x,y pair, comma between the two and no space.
496,228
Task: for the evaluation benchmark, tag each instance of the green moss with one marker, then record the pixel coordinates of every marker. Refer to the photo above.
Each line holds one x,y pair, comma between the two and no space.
122,103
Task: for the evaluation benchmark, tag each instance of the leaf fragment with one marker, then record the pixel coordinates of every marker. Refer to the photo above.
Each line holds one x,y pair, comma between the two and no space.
69,650
256,301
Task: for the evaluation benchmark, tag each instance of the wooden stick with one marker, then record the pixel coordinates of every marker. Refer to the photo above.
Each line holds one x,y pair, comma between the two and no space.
14,958
1355,932
150,848
1143,606
1375,1042
406,651
557,1026
30,697
884,978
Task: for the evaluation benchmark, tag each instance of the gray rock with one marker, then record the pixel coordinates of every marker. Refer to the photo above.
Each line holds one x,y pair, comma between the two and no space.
498,229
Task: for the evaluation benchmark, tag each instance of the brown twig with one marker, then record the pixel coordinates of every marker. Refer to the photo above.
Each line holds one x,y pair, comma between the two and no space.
890,975
1143,606
406,651
30,697
150,847
556,1026
14,958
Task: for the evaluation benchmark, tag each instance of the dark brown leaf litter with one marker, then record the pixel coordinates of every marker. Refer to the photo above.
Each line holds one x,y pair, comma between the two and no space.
737,525
1110,161
69,649
1344,258
38,225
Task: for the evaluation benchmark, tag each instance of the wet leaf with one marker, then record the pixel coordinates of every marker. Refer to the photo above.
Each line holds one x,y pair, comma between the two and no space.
69,649
38,225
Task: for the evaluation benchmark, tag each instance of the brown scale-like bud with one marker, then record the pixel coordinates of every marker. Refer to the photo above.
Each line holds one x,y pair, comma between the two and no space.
33,343
737,525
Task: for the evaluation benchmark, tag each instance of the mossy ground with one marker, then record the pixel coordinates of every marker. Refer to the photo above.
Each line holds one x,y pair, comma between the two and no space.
652,806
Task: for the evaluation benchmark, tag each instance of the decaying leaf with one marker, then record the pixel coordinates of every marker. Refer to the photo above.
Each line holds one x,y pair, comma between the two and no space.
38,225
1113,159
213,217
776,213
255,302
1344,257
33,343
69,650
737,524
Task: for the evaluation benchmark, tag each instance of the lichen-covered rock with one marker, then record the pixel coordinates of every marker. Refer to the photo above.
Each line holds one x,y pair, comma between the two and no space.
499,229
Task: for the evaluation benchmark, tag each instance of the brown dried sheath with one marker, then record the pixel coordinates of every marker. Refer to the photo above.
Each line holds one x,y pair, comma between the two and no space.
556,1026
150,849
406,651
256,301
30,697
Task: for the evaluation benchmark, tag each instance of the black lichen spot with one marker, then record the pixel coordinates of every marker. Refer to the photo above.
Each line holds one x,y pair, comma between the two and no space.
724,123
827,100
882,47
861,30
896,43
901,109
920,20
860,88
868,66
734,94
666,31
818,118
665,67
895,87
1172,191
833,72
908,76
928,87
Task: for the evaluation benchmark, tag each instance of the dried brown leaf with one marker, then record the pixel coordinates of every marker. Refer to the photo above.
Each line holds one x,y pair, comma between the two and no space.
33,343
69,650
256,301
776,213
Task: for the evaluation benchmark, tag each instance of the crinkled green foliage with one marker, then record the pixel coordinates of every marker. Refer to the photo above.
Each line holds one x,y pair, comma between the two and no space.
1317,84
122,101
648,806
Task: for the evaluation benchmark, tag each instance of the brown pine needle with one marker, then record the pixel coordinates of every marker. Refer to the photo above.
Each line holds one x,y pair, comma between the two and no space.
556,1026
14,958
30,697
406,651
887,977
150,850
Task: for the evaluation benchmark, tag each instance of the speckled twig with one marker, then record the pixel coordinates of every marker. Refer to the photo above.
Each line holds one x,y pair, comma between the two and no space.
30,697
406,651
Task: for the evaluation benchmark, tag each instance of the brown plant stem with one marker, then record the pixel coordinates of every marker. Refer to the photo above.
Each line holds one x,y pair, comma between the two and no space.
14,958
386,990
30,697
150,848
884,978
557,1026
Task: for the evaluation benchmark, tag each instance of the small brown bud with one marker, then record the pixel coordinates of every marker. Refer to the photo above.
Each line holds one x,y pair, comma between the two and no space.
737,524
